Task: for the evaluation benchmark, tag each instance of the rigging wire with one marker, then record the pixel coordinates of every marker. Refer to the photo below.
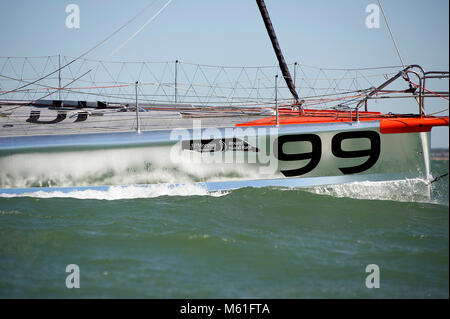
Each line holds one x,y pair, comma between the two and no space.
418,86
140,29
221,96
88,51
441,111
390,32
122,45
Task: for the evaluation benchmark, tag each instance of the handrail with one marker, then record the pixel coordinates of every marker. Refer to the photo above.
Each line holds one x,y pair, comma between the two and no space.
421,75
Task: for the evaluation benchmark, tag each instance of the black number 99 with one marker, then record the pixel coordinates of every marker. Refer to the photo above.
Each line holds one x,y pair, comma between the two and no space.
336,148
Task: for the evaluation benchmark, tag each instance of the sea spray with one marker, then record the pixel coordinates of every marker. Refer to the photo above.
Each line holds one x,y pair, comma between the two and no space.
124,192
408,190
110,167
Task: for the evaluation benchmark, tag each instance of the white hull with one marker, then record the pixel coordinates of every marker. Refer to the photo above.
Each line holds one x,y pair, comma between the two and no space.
290,156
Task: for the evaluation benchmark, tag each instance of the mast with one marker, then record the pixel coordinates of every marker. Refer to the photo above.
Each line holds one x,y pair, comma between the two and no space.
276,46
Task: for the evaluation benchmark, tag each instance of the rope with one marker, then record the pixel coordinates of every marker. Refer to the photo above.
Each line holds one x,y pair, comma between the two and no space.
65,86
418,86
438,178
77,88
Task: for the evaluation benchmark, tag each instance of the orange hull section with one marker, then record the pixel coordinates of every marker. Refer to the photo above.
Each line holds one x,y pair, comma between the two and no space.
388,124
411,125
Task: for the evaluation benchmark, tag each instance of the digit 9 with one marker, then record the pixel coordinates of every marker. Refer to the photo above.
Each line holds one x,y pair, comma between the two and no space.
373,152
314,155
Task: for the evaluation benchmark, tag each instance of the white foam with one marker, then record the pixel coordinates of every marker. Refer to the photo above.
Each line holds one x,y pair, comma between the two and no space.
110,167
408,190
125,192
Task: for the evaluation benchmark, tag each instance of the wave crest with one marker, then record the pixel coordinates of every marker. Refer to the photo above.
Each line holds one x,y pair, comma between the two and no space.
124,192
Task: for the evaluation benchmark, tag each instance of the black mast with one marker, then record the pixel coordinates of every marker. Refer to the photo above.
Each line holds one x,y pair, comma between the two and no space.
276,46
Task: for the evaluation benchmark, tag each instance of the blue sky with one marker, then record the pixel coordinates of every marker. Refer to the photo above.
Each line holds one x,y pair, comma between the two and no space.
322,33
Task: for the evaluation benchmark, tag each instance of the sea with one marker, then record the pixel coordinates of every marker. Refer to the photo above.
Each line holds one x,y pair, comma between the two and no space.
357,240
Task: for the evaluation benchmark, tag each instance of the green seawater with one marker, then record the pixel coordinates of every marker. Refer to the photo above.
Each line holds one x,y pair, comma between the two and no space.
247,243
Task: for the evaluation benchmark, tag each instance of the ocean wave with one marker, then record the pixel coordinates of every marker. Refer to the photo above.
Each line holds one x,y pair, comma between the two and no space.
408,190
124,192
